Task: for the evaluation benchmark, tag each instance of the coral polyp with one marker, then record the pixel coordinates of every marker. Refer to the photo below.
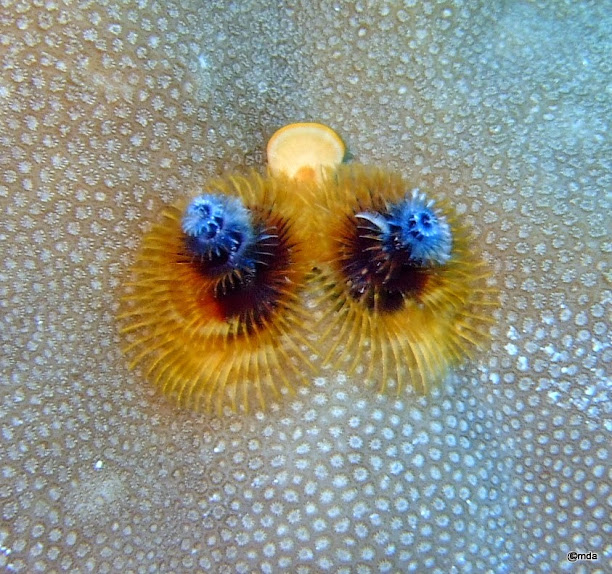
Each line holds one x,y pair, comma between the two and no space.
214,309
404,290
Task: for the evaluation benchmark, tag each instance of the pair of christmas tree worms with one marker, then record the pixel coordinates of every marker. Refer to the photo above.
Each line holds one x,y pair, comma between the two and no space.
257,283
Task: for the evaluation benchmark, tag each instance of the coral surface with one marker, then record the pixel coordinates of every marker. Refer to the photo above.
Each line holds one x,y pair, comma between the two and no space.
110,111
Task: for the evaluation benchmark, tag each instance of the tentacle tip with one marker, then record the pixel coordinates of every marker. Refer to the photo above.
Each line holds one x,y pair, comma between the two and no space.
421,229
217,225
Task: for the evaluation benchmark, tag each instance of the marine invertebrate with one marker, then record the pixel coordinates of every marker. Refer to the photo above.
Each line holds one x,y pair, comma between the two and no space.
403,287
303,151
411,229
219,231
214,309
502,478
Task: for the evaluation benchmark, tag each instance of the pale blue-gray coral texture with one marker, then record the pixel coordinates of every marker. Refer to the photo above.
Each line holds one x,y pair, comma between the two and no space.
111,110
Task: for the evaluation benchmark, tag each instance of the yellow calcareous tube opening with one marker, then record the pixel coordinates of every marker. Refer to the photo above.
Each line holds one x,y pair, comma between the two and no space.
302,151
